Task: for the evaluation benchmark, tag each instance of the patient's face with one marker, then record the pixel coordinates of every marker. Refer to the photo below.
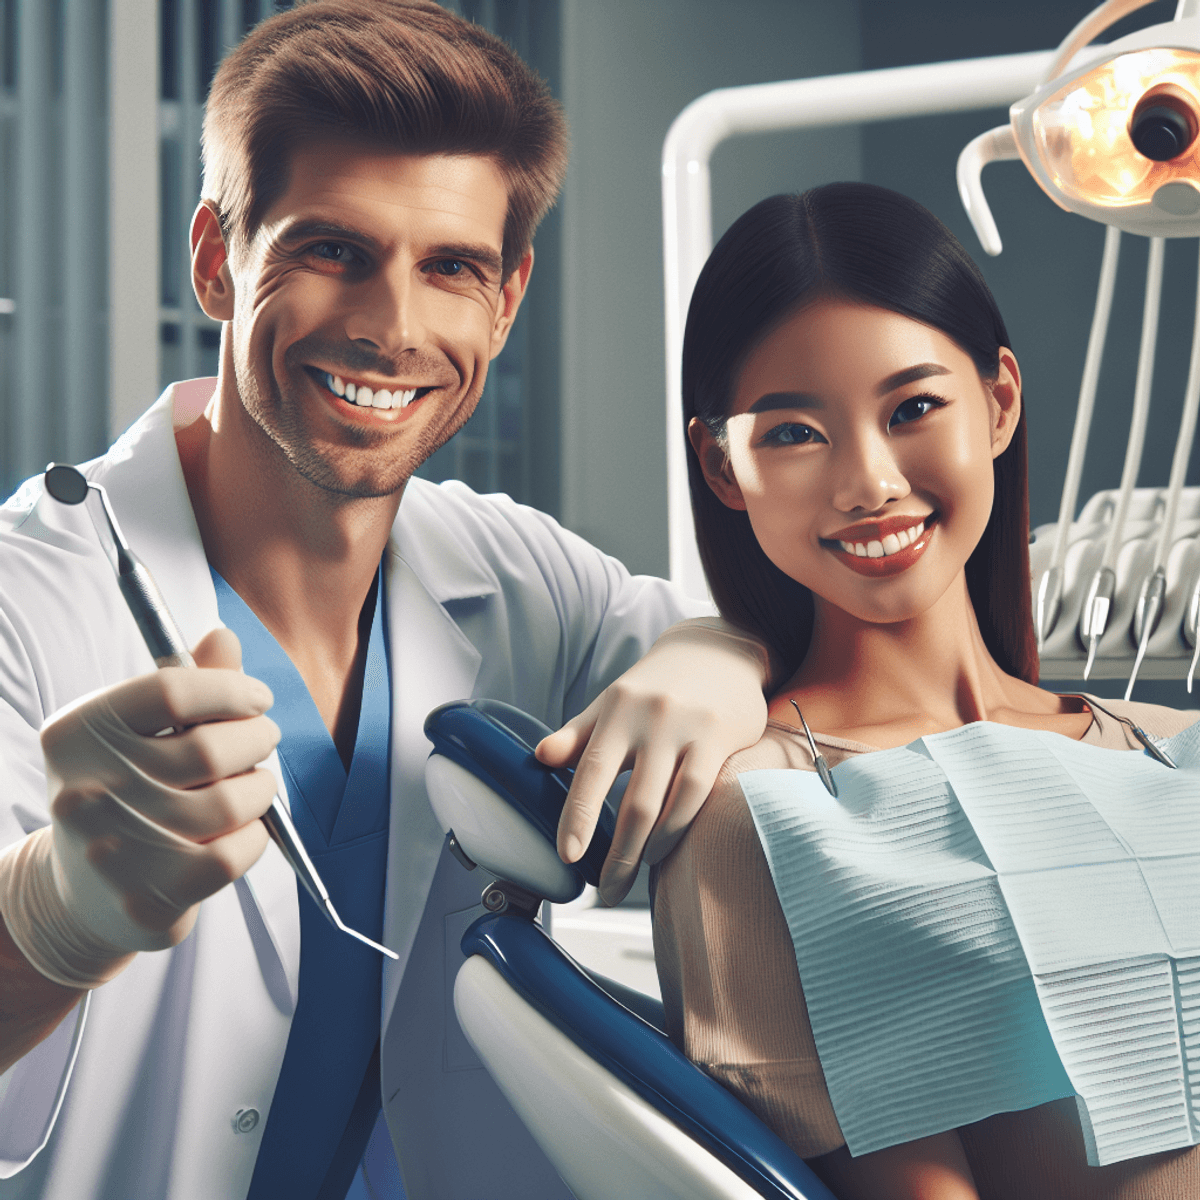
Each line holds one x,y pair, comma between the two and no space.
860,444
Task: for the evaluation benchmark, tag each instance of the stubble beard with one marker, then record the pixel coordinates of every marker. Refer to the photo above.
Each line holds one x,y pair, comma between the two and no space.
340,470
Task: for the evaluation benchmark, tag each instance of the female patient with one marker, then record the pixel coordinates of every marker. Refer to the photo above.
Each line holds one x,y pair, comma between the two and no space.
858,478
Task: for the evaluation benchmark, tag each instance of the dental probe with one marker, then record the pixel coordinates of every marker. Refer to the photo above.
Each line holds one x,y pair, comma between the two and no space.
818,758
1151,747
166,645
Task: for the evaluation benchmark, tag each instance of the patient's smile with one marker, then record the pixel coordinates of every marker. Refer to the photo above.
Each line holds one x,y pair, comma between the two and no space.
879,539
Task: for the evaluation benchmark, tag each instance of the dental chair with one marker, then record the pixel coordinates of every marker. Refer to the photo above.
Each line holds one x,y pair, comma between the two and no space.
583,1060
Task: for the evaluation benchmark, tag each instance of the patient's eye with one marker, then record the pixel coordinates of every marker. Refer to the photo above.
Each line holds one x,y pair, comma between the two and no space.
791,434
913,409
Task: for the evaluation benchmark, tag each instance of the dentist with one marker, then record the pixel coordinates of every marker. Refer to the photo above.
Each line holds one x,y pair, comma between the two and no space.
174,1020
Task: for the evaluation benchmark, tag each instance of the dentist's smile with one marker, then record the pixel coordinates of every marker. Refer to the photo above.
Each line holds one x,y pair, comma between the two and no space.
361,396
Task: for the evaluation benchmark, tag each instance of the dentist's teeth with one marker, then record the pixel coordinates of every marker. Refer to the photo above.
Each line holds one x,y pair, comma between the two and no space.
366,397
891,544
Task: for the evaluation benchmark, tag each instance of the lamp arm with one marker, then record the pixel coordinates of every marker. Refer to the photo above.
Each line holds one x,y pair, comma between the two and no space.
996,145
1091,27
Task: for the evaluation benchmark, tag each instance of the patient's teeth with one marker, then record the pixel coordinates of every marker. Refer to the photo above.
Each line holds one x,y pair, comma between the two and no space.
891,544
382,399
351,391
874,549
860,551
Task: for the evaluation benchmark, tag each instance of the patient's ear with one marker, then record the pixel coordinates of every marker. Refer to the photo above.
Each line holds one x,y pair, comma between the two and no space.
1005,401
714,462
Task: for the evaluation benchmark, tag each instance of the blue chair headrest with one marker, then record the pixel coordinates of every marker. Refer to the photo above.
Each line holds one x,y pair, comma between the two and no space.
495,742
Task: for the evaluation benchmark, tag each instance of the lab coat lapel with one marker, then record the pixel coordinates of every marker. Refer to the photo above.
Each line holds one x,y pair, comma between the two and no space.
148,493
432,662
149,496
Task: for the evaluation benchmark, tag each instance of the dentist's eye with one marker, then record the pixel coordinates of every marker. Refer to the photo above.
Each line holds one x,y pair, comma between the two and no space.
913,409
336,252
791,434
449,266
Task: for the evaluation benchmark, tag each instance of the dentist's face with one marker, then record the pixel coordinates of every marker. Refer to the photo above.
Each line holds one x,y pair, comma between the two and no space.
367,308
860,444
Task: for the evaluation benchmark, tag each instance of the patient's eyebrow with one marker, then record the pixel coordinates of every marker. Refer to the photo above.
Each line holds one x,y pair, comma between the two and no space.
773,400
910,375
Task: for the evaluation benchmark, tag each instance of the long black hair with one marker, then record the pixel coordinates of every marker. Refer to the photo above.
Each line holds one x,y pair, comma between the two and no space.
857,242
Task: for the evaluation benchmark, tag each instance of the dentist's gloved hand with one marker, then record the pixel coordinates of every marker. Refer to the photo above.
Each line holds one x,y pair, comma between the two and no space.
143,827
675,717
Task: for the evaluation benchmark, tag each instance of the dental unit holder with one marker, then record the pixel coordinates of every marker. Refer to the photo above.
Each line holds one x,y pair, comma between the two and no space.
68,485
1112,133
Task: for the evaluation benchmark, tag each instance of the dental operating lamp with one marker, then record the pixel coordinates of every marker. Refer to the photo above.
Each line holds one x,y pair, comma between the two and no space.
68,485
1111,133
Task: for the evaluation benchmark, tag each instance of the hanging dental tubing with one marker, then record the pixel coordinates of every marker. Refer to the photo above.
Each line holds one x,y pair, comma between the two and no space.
167,647
1049,593
1154,587
1093,619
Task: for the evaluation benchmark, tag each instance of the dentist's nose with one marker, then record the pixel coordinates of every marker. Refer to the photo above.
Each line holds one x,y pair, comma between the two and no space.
867,475
386,313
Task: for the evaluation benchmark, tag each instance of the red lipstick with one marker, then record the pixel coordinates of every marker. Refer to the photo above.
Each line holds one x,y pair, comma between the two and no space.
871,531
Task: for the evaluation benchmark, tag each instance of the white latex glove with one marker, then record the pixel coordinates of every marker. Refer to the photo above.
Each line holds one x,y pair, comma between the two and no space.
675,717
143,827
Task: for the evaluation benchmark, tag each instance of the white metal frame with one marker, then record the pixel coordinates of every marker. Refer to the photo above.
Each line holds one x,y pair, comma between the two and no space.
133,195
849,99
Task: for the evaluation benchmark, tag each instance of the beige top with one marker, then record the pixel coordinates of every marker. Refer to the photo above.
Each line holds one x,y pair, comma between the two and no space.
735,1005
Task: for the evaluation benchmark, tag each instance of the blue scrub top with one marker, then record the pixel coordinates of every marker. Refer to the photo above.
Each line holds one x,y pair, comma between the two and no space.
328,1095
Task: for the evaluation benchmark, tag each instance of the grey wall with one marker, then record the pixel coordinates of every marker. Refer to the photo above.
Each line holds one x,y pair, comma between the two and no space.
628,68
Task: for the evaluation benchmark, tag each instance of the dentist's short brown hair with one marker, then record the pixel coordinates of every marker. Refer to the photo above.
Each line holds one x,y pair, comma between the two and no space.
400,74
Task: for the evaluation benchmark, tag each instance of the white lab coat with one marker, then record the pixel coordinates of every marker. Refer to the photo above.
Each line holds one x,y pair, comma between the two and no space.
137,1095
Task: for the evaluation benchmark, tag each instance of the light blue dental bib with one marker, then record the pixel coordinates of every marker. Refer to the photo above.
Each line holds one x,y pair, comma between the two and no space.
992,918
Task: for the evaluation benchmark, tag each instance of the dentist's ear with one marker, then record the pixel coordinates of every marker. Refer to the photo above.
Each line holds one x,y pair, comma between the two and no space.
211,279
714,462
1005,392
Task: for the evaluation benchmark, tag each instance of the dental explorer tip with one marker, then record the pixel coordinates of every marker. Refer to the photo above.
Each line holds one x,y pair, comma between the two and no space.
331,912
65,483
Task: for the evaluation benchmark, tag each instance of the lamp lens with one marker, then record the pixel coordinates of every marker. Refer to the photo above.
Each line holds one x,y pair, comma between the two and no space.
1114,136
1160,134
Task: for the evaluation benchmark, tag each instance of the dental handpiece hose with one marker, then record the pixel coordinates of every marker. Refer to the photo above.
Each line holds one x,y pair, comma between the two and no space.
168,649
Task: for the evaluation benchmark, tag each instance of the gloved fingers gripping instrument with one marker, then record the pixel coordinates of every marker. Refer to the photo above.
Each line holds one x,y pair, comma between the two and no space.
68,485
